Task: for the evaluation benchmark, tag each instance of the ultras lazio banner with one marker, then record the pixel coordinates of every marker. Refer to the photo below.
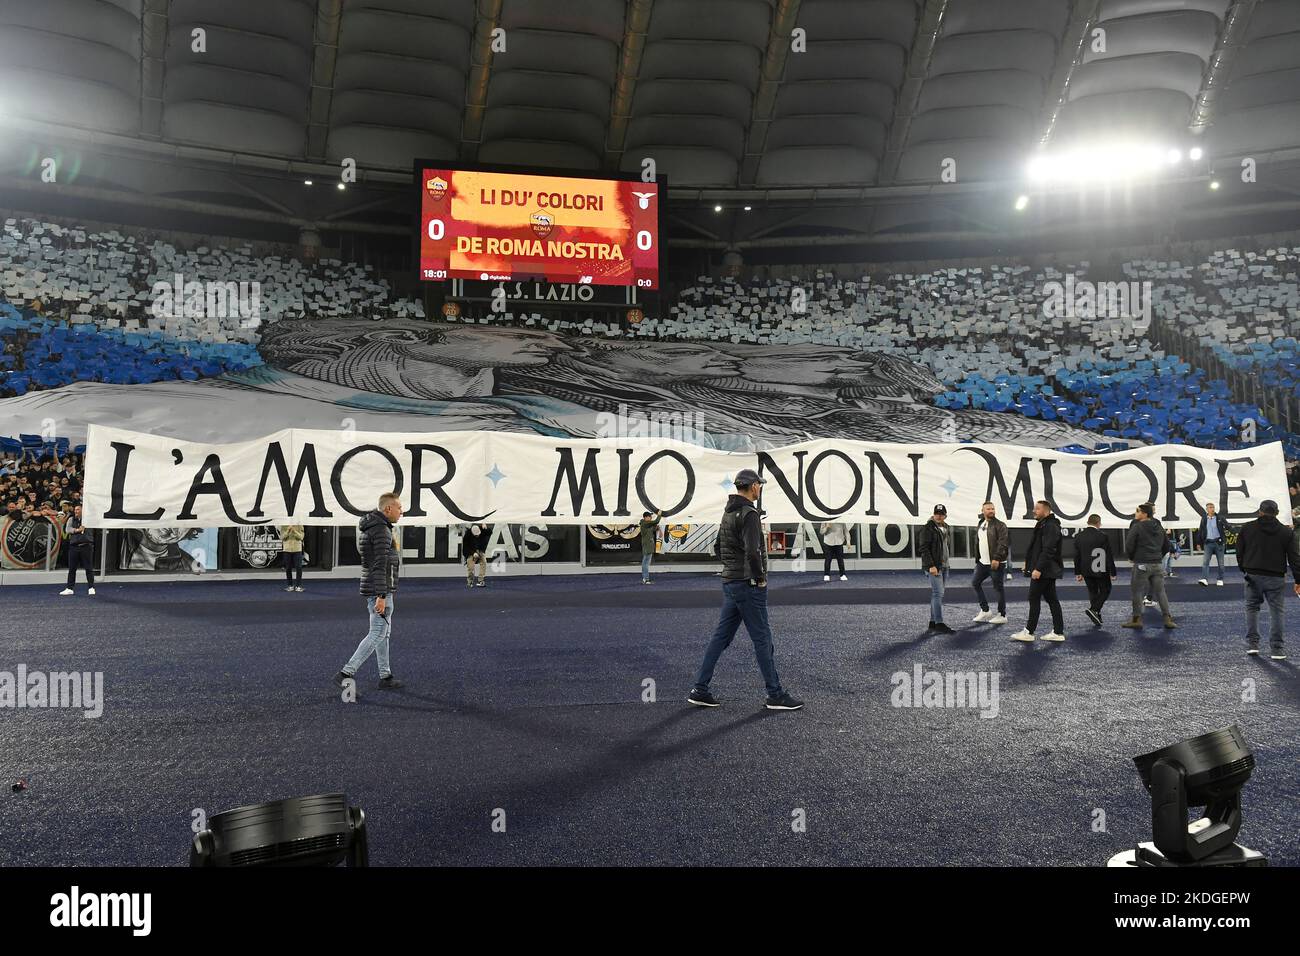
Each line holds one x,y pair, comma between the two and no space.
314,477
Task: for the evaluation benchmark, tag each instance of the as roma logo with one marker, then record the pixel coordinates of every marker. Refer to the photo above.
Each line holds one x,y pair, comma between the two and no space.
542,224
436,187
635,316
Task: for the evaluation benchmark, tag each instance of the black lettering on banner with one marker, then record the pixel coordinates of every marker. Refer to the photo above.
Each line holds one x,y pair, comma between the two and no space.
690,482
1023,485
307,468
121,461
767,464
215,486
1225,489
336,477
1173,489
812,490
878,463
624,474
1103,488
1049,488
417,485
577,489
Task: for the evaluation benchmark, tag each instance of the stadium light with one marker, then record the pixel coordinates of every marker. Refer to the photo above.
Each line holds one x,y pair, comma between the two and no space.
320,830
306,182
1107,162
1207,771
1175,156
717,208
1196,153
748,208
1021,203
341,186
1214,184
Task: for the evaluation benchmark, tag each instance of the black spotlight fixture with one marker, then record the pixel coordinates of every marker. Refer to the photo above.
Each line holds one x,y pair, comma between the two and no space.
1206,771
304,831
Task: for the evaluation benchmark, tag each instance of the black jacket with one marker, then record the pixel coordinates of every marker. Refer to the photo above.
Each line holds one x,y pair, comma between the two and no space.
1266,546
1144,542
740,541
471,543
1089,545
1223,530
999,540
1044,553
929,546
78,534
380,560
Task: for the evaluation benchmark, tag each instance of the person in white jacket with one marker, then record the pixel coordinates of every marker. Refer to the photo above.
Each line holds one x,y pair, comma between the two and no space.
835,535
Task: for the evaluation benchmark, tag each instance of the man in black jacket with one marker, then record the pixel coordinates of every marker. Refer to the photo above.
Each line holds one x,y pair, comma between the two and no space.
1265,547
473,545
1094,565
381,562
81,552
1043,567
934,548
1144,543
1213,536
744,595
992,552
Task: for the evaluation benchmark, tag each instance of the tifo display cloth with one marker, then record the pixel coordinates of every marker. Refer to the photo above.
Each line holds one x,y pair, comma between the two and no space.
315,477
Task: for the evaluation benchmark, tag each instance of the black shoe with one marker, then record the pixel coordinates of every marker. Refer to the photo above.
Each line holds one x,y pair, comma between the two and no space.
1093,616
786,701
341,678
930,626
943,628
390,683
702,698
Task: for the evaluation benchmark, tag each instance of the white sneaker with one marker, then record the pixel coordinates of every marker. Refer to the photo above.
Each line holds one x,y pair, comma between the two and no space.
1203,583
1277,656
998,619
1023,635
844,577
65,592
91,592
826,577
982,616
1219,582
1053,637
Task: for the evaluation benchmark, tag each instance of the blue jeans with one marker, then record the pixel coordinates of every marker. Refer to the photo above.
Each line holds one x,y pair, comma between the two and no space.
937,583
376,642
747,603
982,573
1261,588
645,566
1215,548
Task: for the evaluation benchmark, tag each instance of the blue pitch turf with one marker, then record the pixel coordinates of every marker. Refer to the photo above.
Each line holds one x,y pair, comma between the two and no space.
526,696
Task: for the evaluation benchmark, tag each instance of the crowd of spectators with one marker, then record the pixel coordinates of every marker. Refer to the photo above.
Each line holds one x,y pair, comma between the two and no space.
47,486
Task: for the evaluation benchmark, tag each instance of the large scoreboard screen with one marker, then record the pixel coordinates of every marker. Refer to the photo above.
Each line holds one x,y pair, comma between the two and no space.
494,225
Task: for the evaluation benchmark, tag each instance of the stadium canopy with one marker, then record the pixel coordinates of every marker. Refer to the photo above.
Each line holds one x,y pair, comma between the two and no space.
833,120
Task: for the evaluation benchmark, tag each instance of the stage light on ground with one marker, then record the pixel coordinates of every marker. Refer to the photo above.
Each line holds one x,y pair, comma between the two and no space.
1195,153
1206,771
1022,202
321,830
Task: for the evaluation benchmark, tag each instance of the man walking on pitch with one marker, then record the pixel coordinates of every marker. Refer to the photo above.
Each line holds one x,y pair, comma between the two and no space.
835,535
993,551
1265,548
473,545
1144,544
1094,565
1044,567
381,562
744,595
934,549
1213,534
649,522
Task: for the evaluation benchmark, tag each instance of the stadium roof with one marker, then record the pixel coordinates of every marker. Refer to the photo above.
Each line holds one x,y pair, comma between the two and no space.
832,118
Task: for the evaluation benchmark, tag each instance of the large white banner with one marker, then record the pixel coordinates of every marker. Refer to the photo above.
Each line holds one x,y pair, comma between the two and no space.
331,477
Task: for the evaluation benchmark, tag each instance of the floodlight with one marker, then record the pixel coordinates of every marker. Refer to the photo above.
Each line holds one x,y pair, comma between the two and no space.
1021,203
1195,153
320,830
